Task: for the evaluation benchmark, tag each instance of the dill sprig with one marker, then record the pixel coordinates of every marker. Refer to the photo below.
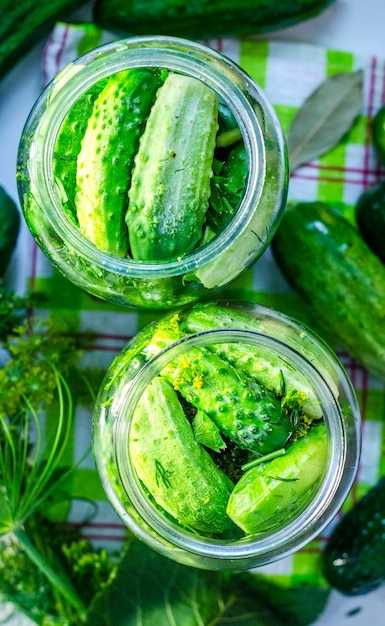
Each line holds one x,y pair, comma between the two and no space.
39,361
14,308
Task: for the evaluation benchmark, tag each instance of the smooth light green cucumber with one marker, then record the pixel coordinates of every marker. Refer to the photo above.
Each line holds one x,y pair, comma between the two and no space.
270,493
170,186
106,156
175,469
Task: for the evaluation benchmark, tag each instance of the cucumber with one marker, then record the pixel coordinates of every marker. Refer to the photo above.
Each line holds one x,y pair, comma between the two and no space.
261,365
270,493
324,259
353,560
170,186
370,216
106,156
68,144
9,229
247,413
199,19
244,411
24,23
175,469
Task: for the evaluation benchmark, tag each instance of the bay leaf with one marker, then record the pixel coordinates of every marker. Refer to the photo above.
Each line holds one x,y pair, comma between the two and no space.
324,118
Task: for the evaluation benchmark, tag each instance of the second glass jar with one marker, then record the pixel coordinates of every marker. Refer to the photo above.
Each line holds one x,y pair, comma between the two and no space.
226,435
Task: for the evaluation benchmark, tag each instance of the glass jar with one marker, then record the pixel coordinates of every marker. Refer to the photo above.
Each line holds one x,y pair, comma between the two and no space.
189,403
209,267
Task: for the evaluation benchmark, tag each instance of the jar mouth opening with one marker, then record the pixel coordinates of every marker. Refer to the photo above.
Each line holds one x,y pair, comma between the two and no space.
178,55
267,546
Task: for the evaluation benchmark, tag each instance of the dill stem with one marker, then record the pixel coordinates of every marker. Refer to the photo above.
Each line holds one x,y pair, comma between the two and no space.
262,459
59,582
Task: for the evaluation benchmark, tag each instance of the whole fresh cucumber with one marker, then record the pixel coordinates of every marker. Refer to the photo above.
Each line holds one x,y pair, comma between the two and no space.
9,228
23,23
178,472
353,560
107,154
370,216
325,259
170,186
268,493
200,18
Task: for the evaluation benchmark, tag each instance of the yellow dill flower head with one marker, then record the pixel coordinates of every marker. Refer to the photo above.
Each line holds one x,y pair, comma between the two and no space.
198,381
185,363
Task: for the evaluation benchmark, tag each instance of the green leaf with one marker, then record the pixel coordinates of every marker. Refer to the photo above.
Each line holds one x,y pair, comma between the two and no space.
324,118
151,589
207,433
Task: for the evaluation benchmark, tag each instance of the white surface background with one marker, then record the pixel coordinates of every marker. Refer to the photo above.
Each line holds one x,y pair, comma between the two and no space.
352,25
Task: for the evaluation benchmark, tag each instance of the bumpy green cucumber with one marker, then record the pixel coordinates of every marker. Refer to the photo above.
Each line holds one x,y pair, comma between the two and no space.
260,364
107,153
370,216
68,144
245,412
24,24
269,493
326,261
170,186
353,560
200,19
176,470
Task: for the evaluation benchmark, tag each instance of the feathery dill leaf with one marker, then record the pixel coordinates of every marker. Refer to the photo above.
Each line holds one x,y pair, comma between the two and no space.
40,365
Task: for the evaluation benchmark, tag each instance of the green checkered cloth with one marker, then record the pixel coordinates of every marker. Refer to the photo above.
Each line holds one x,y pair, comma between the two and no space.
288,73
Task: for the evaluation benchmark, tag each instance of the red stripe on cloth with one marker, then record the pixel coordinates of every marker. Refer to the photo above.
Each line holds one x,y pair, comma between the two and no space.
61,48
339,168
383,84
46,56
219,45
113,336
95,537
332,179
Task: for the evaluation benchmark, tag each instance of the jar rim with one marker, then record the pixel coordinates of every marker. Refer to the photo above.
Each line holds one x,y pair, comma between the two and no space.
179,55
304,526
